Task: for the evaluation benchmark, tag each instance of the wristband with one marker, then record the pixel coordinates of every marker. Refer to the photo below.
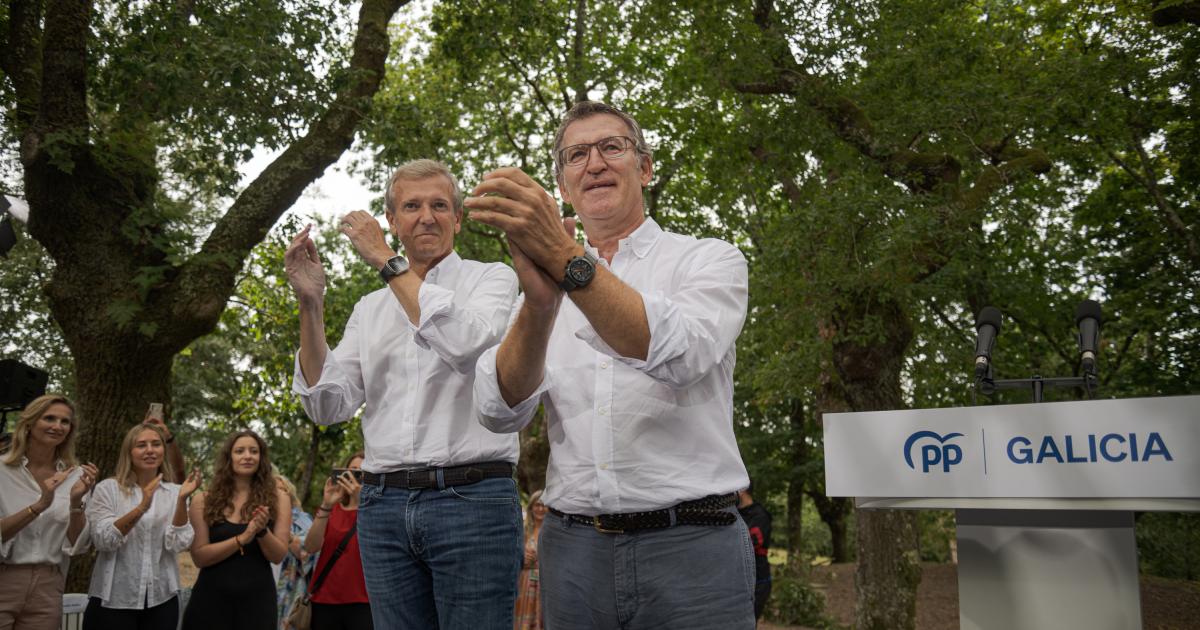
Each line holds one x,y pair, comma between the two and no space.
34,512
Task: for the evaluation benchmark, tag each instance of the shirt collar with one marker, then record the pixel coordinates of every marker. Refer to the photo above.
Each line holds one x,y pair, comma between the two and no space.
449,264
641,240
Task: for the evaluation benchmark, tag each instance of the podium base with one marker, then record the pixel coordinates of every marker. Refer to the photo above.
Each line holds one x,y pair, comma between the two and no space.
1035,569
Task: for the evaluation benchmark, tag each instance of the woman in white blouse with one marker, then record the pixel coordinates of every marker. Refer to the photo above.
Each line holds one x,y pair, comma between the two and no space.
139,524
42,524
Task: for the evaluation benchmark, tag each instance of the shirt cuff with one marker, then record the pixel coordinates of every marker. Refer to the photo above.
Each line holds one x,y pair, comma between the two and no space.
668,335
329,369
433,302
496,414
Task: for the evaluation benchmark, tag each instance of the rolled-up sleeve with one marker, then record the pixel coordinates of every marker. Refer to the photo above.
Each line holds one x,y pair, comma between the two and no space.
693,327
494,413
102,517
178,539
459,333
339,392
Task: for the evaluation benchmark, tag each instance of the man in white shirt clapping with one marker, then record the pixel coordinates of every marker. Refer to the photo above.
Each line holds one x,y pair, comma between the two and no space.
635,369
439,520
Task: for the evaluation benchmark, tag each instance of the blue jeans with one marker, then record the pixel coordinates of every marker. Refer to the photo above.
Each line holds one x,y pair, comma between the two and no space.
683,577
442,559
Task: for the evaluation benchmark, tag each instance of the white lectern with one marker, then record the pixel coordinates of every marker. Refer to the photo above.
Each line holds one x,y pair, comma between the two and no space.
1044,496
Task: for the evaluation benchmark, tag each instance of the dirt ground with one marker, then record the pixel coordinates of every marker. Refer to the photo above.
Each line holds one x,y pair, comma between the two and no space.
1166,604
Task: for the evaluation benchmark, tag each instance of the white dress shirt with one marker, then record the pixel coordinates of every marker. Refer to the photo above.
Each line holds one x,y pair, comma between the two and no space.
44,541
139,569
628,435
416,379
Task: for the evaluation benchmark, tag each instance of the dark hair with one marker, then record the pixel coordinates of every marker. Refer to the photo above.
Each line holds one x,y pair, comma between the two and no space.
263,490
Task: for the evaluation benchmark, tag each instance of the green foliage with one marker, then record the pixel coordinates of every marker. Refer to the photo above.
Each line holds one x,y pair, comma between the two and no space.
794,601
27,332
1169,544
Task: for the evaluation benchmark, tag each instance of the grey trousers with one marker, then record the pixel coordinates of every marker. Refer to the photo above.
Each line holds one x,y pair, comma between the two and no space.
685,577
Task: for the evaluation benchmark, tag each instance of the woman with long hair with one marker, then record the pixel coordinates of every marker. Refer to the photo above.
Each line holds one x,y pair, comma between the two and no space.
241,526
42,524
339,601
139,525
528,610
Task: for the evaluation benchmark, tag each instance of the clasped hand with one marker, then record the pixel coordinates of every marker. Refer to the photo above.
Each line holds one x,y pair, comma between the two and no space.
540,239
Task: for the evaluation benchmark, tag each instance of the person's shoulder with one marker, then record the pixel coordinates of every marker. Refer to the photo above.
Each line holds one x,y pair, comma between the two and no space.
709,243
108,485
480,267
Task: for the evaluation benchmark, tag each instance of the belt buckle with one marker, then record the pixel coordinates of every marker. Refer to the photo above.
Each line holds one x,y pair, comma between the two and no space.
598,524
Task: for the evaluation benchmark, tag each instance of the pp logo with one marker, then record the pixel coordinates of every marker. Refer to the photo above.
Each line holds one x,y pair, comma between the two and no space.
933,454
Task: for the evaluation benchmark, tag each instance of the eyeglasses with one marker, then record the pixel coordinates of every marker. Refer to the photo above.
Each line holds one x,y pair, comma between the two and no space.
610,148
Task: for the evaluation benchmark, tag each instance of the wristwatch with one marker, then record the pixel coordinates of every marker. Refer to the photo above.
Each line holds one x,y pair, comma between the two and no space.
395,266
580,271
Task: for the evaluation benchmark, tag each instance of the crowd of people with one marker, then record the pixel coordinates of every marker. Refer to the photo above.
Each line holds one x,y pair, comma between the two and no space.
626,339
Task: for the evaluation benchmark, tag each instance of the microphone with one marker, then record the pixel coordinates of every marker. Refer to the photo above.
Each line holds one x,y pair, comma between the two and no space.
1087,317
987,328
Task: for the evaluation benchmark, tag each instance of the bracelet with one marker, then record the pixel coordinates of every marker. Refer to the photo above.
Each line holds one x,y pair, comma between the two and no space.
77,510
34,512
238,539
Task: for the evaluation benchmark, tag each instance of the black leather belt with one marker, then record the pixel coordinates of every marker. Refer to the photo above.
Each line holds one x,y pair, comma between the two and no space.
424,478
708,512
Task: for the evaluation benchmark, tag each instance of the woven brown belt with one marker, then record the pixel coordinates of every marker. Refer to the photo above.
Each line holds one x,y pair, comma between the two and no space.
706,512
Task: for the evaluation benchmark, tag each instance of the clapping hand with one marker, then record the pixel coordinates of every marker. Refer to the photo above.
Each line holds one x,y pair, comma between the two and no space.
191,484
258,521
85,482
305,271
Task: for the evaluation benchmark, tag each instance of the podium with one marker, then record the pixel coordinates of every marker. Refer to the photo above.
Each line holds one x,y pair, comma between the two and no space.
1044,496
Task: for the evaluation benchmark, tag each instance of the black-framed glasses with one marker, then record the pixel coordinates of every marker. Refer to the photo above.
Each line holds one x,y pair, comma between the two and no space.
610,148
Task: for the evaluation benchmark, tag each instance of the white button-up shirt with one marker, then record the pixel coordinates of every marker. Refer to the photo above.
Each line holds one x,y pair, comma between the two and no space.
44,541
416,380
139,569
628,435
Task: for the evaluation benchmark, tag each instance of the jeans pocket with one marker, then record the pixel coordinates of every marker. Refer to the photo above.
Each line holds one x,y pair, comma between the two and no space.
368,495
494,491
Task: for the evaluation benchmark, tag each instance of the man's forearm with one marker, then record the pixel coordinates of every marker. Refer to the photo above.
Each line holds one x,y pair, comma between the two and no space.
616,312
407,287
521,359
312,340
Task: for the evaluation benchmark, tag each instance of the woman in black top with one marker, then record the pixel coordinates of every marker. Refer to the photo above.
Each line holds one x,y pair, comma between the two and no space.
242,525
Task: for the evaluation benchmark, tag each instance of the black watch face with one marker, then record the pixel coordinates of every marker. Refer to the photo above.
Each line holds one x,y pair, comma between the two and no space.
580,271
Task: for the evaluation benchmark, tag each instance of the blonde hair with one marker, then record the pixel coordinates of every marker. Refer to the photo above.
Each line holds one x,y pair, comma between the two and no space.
125,475
289,486
534,499
420,169
29,416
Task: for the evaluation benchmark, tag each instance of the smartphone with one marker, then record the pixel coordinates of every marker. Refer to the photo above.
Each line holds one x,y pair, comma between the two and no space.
337,472
156,410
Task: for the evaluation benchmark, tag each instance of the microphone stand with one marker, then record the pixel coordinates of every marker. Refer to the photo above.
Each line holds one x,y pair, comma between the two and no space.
1090,382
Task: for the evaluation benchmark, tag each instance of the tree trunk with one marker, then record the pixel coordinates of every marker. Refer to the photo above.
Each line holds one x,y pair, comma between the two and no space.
795,494
866,371
304,487
834,511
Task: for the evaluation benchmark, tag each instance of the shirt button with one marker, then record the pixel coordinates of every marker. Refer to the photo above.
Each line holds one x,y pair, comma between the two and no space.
604,411
604,365
603,466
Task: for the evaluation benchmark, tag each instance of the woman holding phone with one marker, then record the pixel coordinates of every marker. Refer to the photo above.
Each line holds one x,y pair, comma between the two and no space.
42,523
339,598
139,525
241,526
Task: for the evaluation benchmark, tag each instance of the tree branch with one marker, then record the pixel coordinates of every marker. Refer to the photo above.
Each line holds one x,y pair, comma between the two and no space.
64,68
208,277
20,60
